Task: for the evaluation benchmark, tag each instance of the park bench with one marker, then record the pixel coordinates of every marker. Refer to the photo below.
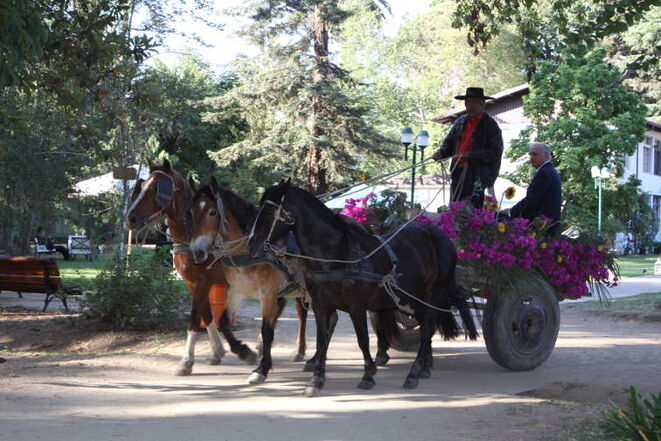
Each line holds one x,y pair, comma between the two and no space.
25,274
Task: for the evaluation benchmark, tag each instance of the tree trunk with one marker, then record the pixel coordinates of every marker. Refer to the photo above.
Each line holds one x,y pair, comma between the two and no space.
316,177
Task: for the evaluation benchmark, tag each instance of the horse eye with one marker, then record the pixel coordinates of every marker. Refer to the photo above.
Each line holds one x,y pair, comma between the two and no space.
212,212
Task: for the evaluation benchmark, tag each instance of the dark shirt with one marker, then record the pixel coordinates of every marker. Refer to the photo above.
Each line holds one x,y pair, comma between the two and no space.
543,197
486,148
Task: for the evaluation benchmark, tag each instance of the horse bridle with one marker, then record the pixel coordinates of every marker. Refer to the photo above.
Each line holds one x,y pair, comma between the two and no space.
164,191
281,215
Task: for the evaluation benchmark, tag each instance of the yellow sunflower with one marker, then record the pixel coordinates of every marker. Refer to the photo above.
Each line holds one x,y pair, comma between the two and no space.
510,192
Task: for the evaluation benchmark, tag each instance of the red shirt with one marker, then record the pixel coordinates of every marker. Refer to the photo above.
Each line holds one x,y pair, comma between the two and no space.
466,141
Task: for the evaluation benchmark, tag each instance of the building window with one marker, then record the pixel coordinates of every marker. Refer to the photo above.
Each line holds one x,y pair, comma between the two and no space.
647,159
657,161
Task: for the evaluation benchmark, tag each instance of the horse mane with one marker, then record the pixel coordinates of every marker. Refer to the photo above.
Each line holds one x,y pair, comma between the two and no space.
336,220
244,211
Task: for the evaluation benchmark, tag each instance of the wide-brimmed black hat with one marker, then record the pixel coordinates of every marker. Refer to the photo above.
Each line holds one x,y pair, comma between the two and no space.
473,92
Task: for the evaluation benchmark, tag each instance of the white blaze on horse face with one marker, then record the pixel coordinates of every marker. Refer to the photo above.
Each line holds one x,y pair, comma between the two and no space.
143,192
201,244
202,205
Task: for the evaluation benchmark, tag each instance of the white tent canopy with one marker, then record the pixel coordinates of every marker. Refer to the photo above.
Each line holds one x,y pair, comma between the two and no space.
106,183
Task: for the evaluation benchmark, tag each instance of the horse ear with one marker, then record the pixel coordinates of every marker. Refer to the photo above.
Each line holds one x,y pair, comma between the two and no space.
166,166
150,164
214,184
192,183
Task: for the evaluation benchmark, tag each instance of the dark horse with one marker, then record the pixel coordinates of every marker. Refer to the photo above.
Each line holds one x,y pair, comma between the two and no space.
419,258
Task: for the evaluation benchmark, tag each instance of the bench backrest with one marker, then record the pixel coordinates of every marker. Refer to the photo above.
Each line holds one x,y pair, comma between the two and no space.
29,275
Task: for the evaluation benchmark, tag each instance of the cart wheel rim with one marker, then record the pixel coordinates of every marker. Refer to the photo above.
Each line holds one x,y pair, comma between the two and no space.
527,325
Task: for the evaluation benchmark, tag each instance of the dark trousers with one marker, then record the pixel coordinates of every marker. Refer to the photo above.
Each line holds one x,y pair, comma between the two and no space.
465,186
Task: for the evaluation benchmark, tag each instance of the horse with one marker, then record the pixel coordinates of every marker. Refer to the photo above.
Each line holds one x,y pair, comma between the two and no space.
221,224
165,193
347,268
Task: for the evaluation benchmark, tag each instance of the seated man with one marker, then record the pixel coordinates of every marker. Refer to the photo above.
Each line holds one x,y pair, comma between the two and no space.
544,194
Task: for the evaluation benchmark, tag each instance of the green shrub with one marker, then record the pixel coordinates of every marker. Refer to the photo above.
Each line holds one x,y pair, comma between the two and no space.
640,422
139,293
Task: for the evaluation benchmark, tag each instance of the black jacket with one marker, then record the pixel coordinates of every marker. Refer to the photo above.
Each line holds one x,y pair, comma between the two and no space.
543,197
486,150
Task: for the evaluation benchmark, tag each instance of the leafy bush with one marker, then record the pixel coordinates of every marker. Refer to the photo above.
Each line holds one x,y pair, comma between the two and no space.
640,422
138,293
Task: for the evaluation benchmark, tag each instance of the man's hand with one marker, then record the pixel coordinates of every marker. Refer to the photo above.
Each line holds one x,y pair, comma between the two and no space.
437,156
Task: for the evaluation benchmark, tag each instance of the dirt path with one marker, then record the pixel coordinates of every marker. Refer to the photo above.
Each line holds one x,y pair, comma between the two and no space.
120,386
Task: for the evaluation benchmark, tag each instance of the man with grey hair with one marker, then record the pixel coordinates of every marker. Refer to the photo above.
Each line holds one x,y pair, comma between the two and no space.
544,194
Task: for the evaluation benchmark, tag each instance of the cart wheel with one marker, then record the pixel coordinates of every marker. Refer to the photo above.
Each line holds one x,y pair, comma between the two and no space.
407,337
521,325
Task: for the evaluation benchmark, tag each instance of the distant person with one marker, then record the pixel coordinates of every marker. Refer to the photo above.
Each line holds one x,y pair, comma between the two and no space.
475,142
544,194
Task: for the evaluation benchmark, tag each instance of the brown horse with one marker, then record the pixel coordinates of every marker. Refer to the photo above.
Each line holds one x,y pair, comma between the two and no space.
165,193
221,224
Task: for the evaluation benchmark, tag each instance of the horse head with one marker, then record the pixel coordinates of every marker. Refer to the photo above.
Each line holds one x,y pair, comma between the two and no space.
273,221
207,220
154,196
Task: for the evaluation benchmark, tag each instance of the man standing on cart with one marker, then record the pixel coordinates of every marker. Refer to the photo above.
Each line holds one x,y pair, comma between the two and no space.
475,142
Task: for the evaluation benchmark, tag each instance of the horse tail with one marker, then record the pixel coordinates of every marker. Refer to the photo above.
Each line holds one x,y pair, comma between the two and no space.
459,302
446,323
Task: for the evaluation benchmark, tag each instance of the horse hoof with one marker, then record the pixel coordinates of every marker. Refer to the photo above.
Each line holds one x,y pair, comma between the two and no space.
366,384
309,367
183,371
250,358
297,357
381,360
411,383
256,378
311,391
213,361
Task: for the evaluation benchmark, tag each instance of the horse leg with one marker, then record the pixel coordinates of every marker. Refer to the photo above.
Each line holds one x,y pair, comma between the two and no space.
217,349
268,324
302,312
236,346
360,326
322,317
311,363
187,361
382,344
427,329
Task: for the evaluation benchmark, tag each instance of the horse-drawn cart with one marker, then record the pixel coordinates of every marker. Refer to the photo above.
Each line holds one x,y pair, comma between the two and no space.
516,274
520,321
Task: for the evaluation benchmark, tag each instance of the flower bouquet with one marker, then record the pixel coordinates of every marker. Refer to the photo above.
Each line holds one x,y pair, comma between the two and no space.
501,251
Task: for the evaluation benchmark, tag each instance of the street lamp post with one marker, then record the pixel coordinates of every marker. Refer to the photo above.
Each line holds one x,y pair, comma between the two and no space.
599,175
422,142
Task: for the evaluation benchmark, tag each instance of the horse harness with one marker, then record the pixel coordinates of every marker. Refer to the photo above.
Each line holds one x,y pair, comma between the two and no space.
388,281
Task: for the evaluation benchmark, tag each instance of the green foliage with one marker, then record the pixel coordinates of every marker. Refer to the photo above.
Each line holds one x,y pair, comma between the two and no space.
22,35
580,108
549,25
641,421
303,120
138,293
636,52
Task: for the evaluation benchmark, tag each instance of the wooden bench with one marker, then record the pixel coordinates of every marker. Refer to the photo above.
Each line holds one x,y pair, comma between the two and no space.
25,274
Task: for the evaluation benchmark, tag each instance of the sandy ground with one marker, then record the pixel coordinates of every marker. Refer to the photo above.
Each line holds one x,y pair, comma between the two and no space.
60,384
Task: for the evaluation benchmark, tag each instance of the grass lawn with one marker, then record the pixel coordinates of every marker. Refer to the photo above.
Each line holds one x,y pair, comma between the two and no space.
81,272
644,305
631,266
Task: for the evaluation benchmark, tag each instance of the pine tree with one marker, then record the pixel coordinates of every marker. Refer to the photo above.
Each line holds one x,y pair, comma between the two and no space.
303,122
